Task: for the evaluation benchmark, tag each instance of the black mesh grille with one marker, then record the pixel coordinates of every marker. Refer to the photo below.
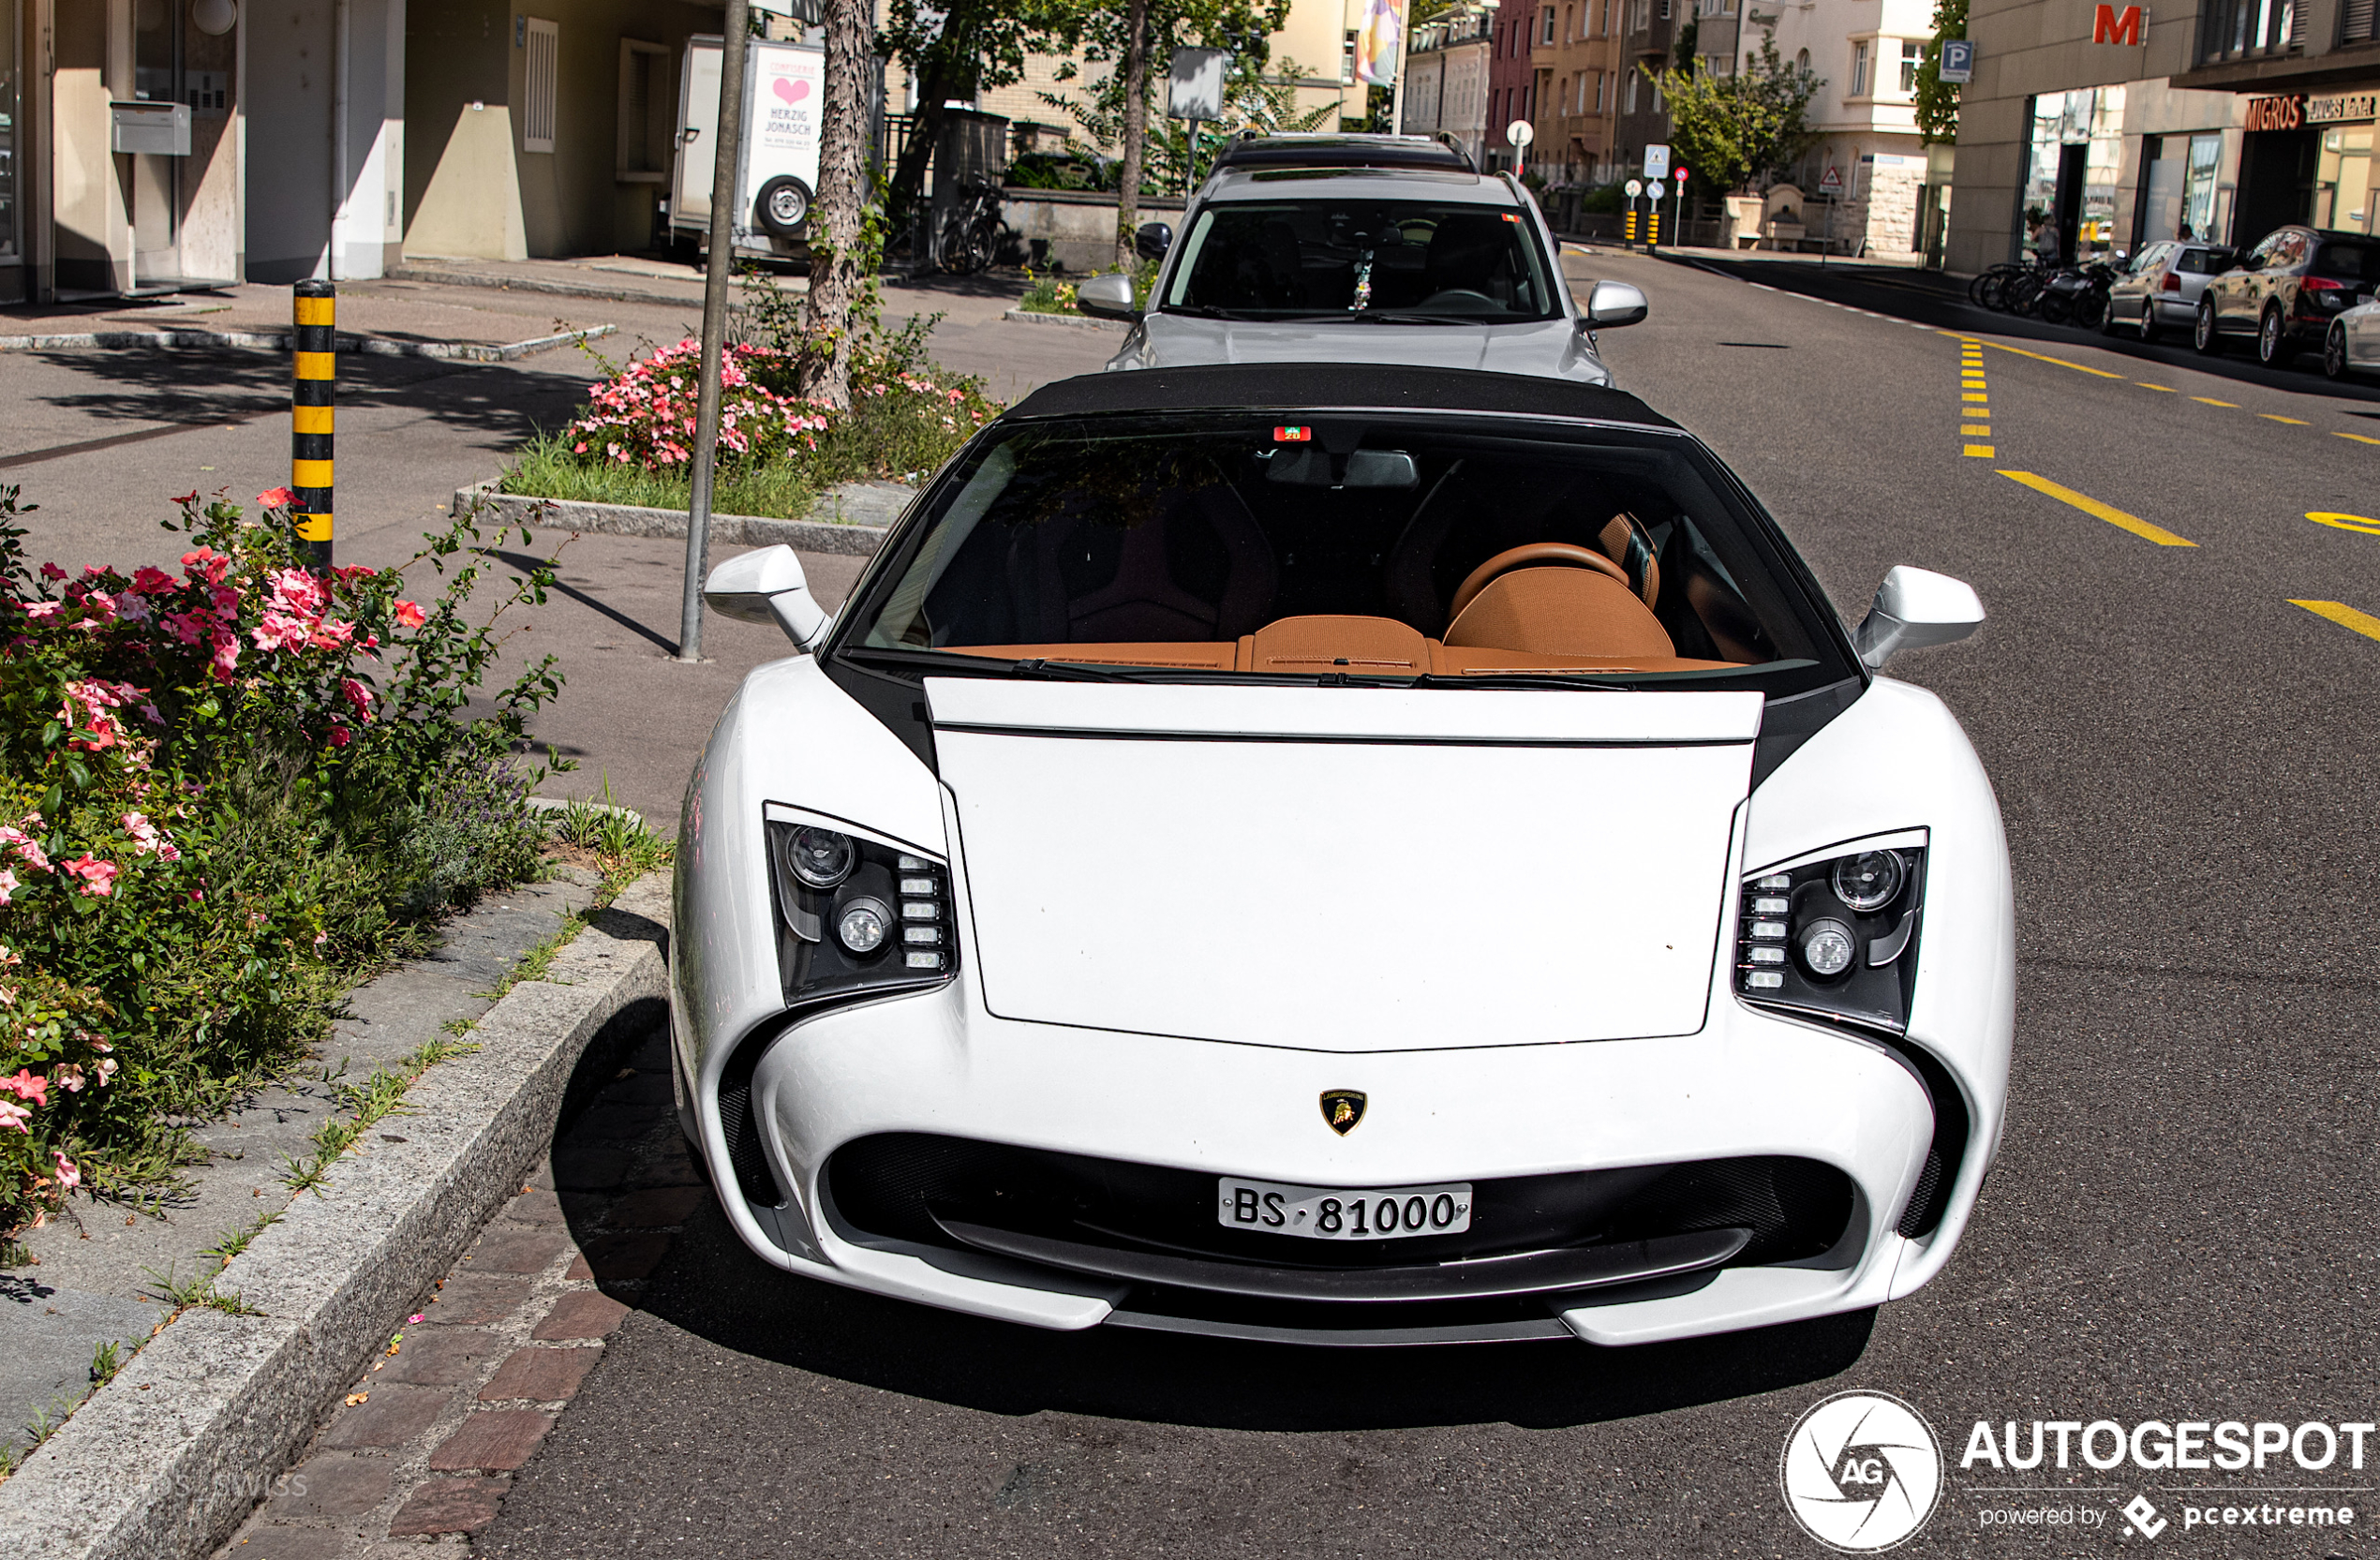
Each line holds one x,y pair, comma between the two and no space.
892,1185
742,1132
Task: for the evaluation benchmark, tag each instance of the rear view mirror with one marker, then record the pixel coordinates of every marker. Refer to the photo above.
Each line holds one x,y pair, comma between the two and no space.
767,586
1614,304
1914,608
1152,242
1107,297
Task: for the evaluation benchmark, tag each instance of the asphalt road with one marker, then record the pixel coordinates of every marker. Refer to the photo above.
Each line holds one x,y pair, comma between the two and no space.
2180,1223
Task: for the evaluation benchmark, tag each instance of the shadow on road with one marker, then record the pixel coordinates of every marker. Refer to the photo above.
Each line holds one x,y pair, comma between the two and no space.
708,1284
145,386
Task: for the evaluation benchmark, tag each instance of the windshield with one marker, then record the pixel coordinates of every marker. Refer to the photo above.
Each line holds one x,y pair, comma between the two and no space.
1322,544
1312,256
2359,262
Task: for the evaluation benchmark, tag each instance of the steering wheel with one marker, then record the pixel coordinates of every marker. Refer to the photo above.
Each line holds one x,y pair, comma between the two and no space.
1459,295
1532,555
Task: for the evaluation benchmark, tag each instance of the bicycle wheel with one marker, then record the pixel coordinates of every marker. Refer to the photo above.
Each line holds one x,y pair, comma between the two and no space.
951,253
983,245
2090,310
2053,309
1992,289
2022,291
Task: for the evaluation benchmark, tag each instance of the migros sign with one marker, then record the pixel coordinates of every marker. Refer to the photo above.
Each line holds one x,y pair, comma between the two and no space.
2125,27
2286,113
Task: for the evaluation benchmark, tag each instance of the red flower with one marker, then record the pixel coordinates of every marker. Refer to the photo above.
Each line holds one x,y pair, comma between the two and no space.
275,498
409,615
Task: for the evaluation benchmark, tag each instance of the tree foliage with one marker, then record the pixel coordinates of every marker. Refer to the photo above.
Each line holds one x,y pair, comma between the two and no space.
1938,99
1739,130
957,49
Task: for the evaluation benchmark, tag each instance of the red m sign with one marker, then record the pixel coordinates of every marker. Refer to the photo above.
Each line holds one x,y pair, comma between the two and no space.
2113,27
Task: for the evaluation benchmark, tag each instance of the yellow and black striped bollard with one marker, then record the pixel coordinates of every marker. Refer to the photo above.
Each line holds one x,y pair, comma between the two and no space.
315,340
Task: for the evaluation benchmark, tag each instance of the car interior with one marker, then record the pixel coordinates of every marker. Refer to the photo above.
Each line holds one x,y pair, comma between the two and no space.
1275,259
1304,550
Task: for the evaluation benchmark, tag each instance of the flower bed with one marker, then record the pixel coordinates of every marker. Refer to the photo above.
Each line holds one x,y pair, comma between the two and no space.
632,442
224,794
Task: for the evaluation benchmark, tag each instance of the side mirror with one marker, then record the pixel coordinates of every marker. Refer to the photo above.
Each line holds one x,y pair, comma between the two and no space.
1614,304
1107,297
766,586
1152,242
1914,608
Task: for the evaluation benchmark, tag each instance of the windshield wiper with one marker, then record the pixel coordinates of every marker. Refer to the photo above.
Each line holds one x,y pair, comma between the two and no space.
1207,311
1513,680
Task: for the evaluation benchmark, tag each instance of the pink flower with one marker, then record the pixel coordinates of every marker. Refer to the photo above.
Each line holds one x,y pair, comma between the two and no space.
7,884
340,737
275,498
52,571
296,591
42,611
281,631
206,562
14,1116
28,850
151,582
413,1320
412,617
333,634
28,1086
358,695
105,1066
99,877
68,1177
226,655
68,1078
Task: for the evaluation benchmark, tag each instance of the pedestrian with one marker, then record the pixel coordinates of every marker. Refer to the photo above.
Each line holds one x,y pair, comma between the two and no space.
2046,241
2186,234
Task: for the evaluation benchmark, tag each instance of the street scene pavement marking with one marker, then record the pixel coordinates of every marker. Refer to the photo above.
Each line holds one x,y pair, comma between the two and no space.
2109,512
2293,421
2209,400
2344,616
2360,439
2362,523
1974,390
2166,388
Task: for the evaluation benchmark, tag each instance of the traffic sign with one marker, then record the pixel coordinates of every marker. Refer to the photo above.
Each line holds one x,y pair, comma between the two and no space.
1833,182
1678,173
1958,60
1656,163
1634,189
1520,132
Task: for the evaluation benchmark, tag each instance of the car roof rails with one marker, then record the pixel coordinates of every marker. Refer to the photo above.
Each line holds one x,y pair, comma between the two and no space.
1253,149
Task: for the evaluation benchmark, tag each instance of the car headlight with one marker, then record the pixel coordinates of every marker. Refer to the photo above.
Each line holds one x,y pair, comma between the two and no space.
1836,938
856,917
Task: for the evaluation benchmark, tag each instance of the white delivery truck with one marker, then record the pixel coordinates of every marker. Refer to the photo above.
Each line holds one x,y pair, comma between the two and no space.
785,90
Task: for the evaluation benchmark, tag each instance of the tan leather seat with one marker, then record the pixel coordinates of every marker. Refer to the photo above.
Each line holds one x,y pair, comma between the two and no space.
1560,612
1367,646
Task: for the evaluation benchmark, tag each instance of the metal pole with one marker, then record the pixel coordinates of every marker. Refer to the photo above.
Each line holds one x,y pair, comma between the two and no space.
314,342
726,196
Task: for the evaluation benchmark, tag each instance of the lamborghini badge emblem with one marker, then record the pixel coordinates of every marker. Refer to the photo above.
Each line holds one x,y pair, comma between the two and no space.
1343,1108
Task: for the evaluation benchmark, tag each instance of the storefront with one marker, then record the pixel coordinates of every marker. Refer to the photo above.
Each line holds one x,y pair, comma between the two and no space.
2308,159
2134,163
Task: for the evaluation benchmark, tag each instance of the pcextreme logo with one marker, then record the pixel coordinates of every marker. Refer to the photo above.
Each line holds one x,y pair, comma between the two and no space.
1861,1472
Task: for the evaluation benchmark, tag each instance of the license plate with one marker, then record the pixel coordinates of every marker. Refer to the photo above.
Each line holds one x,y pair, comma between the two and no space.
1333,1213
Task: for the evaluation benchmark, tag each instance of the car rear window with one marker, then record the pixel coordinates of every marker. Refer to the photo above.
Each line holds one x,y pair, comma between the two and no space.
2194,261
2359,262
1322,258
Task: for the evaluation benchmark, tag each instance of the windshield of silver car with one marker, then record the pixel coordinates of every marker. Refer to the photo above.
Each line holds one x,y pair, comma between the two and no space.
1299,544
1416,262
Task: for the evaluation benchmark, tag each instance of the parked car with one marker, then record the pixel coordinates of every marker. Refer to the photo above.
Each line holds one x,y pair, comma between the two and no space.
1361,249
2352,345
2159,290
2287,290
1384,857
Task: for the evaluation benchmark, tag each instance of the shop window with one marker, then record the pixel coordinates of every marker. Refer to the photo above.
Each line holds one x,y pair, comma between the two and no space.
541,42
10,120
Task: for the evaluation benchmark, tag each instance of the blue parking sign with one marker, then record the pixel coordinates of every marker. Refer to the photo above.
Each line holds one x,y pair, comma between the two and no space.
1958,60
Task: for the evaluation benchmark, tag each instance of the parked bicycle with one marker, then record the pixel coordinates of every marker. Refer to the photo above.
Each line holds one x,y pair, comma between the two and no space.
2010,287
2076,295
971,232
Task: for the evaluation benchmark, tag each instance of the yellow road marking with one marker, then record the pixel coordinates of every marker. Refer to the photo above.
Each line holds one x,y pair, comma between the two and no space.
1983,450
1976,395
2364,523
1972,429
2276,416
2212,402
2166,388
2360,439
2045,357
2091,506
2344,616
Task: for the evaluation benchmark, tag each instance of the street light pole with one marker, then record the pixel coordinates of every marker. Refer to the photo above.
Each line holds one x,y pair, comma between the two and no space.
724,197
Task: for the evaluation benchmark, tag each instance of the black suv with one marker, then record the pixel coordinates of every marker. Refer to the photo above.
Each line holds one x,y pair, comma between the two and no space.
2287,289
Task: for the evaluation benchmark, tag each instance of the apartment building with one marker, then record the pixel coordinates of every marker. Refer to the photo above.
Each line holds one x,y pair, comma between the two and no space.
1511,83
1576,58
1446,82
1864,118
1647,36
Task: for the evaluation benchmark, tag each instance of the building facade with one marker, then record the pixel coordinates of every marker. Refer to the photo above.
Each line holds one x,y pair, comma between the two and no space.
1445,84
1647,36
1864,118
1512,84
1577,110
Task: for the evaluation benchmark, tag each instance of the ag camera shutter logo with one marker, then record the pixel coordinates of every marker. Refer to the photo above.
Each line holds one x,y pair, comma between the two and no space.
1861,1472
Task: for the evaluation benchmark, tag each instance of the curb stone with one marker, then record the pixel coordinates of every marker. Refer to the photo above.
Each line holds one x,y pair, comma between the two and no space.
278,341
169,1457
812,535
1079,322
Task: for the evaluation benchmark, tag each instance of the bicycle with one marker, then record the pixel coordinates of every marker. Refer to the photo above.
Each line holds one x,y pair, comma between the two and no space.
970,233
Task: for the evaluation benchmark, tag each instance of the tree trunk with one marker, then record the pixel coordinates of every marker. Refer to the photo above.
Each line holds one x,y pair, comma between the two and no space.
837,261
1136,130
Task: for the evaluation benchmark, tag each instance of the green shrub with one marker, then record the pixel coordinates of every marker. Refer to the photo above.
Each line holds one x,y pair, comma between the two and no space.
223,798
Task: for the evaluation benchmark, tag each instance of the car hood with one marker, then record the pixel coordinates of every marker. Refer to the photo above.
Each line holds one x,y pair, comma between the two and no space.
1345,870
1551,347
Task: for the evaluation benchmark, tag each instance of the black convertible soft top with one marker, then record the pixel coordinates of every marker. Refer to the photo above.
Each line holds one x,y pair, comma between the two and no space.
1386,387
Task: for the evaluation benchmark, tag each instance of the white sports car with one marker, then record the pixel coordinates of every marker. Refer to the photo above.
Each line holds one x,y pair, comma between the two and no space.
1344,856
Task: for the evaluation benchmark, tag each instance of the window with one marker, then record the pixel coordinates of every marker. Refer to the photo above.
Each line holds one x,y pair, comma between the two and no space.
1602,91
1801,62
1632,92
1569,22
1910,51
1859,70
543,43
1547,34
647,111
10,119
1665,10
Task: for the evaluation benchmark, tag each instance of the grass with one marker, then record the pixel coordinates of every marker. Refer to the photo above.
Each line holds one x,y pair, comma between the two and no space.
545,468
198,1289
377,1098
